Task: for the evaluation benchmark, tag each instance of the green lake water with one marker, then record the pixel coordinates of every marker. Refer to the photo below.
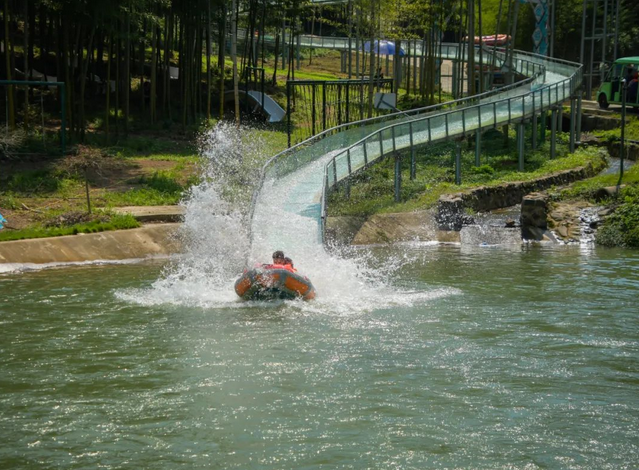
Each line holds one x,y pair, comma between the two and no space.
468,358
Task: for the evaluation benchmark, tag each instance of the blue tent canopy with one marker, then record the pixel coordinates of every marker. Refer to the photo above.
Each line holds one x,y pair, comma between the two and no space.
383,47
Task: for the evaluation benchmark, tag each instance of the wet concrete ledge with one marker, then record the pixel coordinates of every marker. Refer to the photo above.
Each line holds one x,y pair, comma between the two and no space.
147,241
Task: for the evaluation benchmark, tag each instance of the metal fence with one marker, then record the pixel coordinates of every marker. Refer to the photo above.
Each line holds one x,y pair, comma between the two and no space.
316,105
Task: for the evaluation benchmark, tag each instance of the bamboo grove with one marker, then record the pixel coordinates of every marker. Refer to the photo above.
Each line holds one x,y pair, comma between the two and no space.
164,60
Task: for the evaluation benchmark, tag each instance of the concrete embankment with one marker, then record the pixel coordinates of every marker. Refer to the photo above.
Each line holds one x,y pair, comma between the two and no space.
150,240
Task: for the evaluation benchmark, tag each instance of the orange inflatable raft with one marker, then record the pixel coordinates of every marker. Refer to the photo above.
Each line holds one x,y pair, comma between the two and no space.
273,281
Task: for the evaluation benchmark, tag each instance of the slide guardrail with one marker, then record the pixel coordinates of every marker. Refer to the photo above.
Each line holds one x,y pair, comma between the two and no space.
447,125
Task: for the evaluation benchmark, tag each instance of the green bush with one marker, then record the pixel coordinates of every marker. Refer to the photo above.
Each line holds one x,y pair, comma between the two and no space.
482,170
622,227
9,201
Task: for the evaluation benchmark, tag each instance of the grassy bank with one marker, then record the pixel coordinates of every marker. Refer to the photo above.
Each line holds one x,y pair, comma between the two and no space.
41,195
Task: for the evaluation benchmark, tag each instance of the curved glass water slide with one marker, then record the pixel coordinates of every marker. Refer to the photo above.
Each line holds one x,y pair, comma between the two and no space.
289,205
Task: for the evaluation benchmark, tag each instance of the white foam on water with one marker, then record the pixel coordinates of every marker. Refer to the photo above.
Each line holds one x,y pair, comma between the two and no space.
219,244
15,268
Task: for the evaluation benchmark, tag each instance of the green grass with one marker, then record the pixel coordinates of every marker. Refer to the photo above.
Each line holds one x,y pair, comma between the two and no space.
586,189
162,188
116,222
631,130
148,147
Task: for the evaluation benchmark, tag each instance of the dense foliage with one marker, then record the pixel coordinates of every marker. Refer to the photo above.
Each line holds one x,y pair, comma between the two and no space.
120,53
622,227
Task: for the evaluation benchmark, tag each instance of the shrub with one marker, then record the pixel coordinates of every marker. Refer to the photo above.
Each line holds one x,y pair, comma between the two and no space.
622,227
482,170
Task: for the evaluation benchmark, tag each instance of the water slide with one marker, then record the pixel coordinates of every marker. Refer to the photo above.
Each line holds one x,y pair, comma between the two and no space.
295,182
273,111
269,106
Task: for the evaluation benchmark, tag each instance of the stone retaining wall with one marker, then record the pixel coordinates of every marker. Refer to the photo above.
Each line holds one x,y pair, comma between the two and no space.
452,207
150,240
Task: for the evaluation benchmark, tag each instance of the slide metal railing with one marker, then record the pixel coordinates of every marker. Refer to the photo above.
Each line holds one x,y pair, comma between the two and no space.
446,125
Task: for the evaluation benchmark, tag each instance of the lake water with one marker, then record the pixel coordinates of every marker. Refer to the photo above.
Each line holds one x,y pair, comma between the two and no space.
518,357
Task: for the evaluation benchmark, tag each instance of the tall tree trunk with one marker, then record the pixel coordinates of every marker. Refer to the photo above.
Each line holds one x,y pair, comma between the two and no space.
27,74
277,47
372,71
236,90
197,65
397,67
10,103
154,84
83,81
31,18
481,50
221,58
127,71
59,62
66,63
118,81
185,69
208,61
168,55
44,50
108,86
141,61
471,47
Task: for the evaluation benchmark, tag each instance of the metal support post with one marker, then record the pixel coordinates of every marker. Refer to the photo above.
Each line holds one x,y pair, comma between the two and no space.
298,51
553,132
458,152
544,119
413,163
477,148
560,119
63,117
578,130
520,144
398,176
288,111
622,150
573,122
454,81
535,132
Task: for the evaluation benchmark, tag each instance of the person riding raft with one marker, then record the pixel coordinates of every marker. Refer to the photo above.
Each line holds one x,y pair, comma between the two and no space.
280,261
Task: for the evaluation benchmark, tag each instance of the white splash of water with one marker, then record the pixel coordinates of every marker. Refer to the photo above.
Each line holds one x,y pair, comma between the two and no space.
214,231
219,246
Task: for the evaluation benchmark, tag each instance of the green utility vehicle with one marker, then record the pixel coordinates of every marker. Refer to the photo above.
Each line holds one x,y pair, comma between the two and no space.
610,89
